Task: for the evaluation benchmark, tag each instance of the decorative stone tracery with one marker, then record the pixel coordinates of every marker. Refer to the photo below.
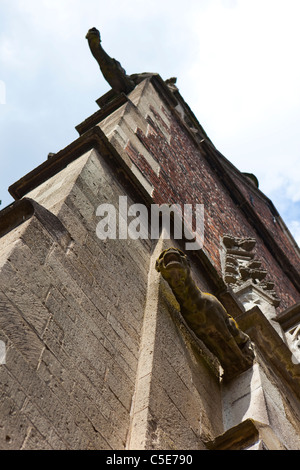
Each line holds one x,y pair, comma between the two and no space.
242,268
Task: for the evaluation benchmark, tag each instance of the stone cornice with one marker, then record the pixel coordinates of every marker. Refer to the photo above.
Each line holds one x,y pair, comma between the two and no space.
218,165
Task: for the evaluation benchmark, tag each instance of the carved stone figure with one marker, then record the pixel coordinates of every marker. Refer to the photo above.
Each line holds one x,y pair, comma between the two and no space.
241,266
205,315
111,69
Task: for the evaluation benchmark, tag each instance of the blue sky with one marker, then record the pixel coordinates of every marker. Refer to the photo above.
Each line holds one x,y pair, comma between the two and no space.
236,62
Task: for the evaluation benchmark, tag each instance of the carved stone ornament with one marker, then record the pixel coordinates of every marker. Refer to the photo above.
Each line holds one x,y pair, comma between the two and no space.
205,315
111,69
293,340
241,266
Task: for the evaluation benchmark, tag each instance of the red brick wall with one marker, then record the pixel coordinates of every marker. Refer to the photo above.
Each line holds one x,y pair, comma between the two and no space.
186,177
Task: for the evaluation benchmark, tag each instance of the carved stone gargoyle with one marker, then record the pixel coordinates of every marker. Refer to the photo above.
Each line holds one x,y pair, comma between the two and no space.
205,315
111,69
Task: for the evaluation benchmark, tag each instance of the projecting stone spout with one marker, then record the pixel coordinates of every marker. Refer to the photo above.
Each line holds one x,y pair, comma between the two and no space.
111,69
205,315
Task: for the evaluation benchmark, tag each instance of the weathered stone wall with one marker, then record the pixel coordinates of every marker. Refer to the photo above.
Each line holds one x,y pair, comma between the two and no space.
71,313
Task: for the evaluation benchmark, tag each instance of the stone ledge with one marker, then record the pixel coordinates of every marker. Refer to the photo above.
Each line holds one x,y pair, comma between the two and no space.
246,435
289,317
20,211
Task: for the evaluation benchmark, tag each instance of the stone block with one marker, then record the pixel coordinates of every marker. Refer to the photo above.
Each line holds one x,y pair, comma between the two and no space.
244,398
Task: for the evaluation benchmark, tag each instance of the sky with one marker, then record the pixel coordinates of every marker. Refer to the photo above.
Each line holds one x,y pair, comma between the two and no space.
236,62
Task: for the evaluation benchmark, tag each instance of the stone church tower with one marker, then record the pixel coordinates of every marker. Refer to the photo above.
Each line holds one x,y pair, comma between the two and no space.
97,351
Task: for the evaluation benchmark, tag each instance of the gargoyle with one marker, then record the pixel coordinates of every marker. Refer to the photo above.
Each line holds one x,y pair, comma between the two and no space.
111,69
205,315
